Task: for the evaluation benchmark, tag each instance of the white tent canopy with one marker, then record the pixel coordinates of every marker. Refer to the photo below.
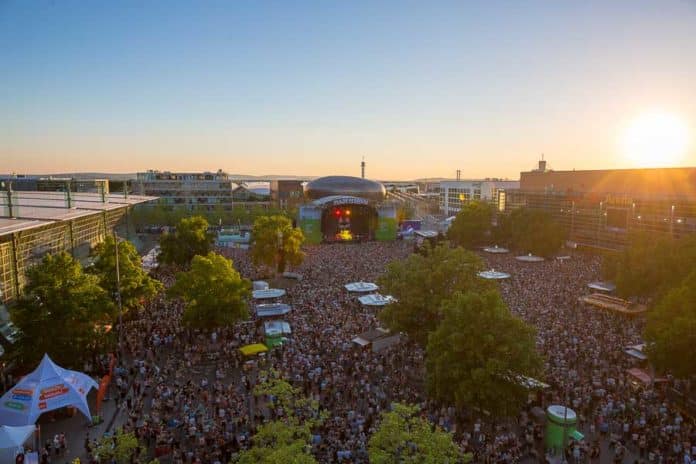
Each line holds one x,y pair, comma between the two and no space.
529,258
493,275
602,286
376,299
14,437
268,293
48,388
361,287
12,440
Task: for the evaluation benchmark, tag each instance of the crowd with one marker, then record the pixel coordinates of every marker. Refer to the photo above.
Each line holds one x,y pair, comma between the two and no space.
189,395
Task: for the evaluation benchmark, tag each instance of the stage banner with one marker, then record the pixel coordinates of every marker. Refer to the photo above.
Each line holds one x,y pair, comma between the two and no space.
309,221
386,224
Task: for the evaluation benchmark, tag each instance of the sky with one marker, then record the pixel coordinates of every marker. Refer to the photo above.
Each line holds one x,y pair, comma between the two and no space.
419,89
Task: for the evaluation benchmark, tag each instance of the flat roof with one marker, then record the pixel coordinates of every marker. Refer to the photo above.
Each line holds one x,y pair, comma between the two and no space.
36,209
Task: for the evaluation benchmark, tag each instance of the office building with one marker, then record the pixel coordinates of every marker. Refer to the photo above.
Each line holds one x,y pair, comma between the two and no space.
600,208
455,193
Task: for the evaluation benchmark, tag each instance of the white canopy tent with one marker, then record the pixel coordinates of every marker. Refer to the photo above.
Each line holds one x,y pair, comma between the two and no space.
260,285
12,440
48,388
530,258
375,299
268,293
495,249
361,287
493,275
602,286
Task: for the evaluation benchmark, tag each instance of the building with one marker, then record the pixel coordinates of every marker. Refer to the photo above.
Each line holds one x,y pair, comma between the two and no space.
33,224
287,194
345,208
194,190
455,193
27,183
600,208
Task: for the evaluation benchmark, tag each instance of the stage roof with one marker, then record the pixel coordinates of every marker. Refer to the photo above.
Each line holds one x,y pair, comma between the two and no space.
344,185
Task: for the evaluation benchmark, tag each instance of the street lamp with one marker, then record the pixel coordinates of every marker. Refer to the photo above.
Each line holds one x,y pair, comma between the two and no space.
118,296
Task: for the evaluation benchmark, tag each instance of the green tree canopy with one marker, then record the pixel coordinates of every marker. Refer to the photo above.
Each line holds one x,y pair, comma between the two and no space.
276,243
135,284
279,442
420,283
62,311
472,225
405,437
191,238
475,355
671,330
530,231
651,266
214,292
121,448
287,439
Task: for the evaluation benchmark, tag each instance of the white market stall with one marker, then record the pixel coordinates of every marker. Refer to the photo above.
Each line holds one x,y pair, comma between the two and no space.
267,293
272,309
530,258
260,285
276,328
495,249
375,299
493,275
602,286
361,287
149,261
48,388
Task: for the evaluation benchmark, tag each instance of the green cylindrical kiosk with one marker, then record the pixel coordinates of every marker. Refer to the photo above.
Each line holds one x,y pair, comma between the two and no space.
560,427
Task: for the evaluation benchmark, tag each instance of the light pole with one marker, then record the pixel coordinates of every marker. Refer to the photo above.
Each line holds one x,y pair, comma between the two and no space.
118,296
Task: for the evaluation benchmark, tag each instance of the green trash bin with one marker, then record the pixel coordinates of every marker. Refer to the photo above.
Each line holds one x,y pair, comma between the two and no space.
561,423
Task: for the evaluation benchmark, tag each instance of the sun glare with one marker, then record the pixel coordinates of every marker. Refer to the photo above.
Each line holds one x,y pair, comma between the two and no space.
655,139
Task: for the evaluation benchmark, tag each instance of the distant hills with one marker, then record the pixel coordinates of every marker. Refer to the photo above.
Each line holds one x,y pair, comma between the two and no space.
129,176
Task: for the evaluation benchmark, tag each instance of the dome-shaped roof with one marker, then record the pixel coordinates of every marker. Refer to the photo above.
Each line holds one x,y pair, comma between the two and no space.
344,185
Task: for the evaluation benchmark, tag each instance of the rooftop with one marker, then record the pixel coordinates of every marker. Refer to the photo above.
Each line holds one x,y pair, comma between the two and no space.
36,209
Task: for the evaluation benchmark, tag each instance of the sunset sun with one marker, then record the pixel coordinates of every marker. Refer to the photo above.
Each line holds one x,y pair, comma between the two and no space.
655,139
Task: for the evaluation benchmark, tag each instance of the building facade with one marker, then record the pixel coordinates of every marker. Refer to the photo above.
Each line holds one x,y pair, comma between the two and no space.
187,189
287,194
33,224
455,193
601,208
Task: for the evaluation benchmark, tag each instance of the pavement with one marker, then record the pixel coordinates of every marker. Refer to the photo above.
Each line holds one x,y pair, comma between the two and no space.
77,428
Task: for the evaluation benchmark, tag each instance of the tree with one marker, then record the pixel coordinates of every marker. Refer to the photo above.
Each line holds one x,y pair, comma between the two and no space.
404,437
136,286
121,448
214,292
191,238
63,312
421,282
651,266
275,243
279,442
671,330
472,225
286,439
530,231
478,351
